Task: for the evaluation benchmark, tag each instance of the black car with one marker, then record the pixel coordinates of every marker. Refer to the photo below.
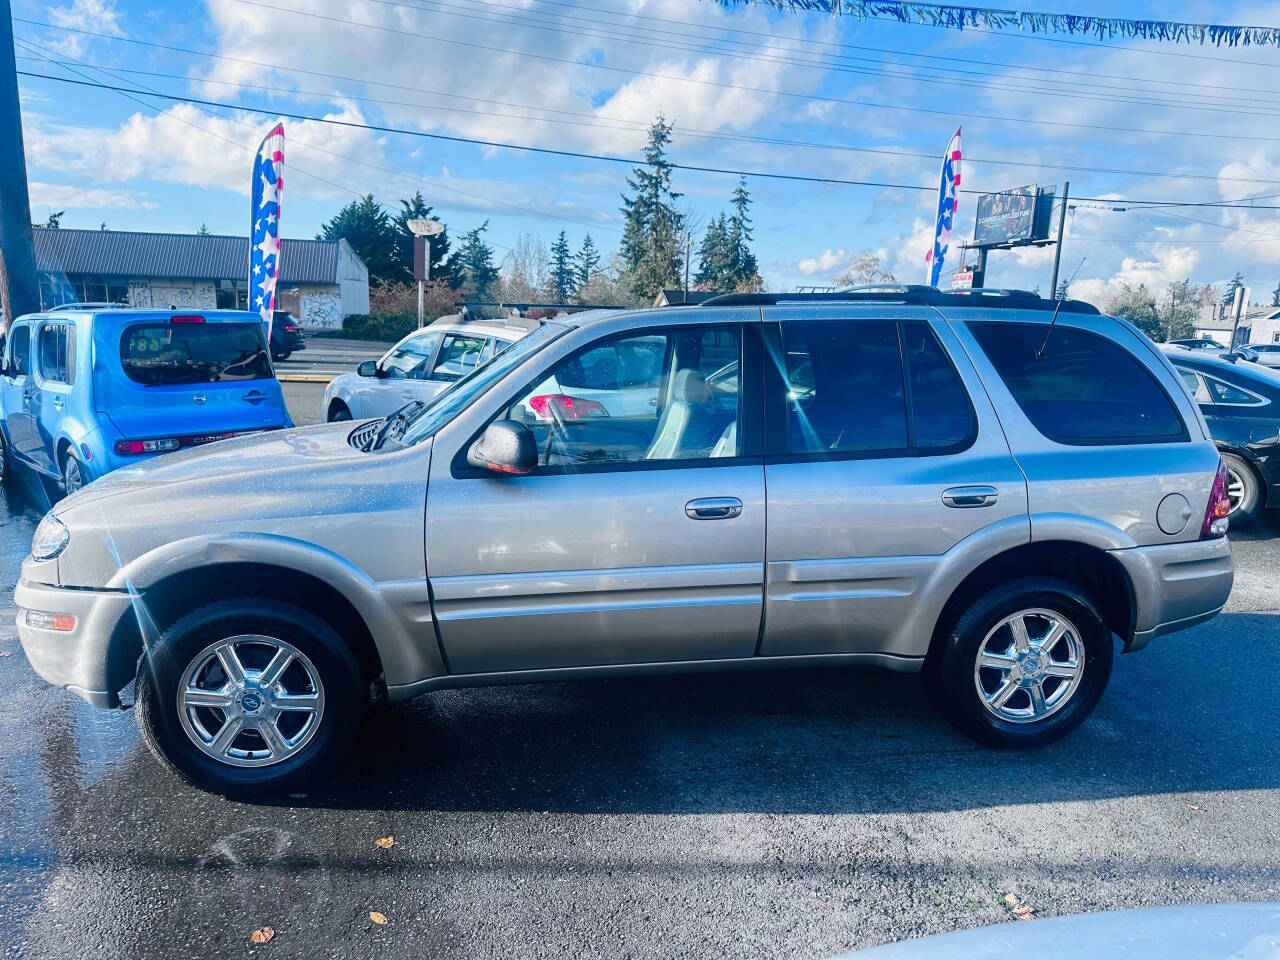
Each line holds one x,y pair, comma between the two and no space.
1241,402
286,336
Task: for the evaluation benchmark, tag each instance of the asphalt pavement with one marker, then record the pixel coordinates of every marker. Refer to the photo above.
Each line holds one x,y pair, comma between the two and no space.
793,814
326,357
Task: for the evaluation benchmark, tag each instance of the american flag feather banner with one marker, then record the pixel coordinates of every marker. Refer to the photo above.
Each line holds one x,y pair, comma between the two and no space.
947,195
264,225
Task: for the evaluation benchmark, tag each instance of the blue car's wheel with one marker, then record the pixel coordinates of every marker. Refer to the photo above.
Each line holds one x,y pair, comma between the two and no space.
4,459
72,473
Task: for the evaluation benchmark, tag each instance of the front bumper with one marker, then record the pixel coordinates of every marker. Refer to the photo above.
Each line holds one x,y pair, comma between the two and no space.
75,660
1176,585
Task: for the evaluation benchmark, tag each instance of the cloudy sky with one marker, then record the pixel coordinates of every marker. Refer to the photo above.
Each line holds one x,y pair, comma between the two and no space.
747,89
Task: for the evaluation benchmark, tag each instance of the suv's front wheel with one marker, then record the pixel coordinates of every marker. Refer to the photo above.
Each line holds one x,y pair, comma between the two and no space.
249,696
1024,665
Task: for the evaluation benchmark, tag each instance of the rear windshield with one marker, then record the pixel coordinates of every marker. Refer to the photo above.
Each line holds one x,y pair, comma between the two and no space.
160,353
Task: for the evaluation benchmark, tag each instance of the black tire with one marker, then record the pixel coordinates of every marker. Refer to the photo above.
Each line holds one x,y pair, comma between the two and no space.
72,472
338,412
4,459
1248,507
949,673
344,687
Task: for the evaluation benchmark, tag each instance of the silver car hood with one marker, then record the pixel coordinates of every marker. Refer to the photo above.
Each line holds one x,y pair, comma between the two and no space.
262,461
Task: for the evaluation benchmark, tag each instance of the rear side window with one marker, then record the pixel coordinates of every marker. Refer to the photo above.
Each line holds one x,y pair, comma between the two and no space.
166,353
872,388
57,353
1083,390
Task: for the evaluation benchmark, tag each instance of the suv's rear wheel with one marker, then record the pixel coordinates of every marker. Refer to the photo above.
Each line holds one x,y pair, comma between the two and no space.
1024,665
249,696
72,472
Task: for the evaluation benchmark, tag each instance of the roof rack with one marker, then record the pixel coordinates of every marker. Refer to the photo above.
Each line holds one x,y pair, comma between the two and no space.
525,307
910,294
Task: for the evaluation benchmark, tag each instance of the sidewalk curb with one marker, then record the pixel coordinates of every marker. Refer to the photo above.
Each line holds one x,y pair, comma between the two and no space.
305,377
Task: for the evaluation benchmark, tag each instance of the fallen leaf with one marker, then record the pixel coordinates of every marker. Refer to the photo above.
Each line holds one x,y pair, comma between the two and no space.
1195,808
385,843
379,918
262,935
1011,899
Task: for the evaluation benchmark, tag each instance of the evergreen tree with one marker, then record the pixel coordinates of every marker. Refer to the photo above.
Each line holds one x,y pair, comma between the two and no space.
585,265
471,265
372,235
1229,297
203,231
563,275
1138,306
413,209
717,258
1063,292
1275,296
653,229
746,270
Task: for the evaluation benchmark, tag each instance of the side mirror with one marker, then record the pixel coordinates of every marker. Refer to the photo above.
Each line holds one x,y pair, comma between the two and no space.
506,446
368,369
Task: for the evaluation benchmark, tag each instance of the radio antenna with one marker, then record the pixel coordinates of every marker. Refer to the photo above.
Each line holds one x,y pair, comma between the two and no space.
1056,307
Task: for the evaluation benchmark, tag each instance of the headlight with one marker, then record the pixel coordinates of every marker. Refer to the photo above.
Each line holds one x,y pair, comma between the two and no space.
51,538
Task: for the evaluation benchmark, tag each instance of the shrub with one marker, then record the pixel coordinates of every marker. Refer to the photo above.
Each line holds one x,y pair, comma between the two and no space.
362,326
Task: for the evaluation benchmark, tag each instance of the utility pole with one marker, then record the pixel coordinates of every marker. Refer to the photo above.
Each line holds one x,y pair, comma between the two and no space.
1057,253
19,289
688,252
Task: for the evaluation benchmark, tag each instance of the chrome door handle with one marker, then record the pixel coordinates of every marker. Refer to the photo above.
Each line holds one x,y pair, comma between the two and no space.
57,402
980,496
406,395
713,508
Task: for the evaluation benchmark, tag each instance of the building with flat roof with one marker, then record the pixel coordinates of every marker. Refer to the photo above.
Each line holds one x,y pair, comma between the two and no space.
321,281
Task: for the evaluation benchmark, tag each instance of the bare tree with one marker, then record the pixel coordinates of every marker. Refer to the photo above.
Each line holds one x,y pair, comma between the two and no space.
524,275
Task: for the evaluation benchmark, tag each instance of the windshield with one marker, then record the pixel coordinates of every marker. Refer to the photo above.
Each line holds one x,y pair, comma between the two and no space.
166,353
458,396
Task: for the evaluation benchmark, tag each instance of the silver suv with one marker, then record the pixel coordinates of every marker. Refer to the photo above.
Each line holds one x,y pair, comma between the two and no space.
992,490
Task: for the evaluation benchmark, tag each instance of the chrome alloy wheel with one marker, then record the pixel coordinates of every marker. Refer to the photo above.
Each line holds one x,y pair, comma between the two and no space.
250,700
1029,666
72,478
1235,491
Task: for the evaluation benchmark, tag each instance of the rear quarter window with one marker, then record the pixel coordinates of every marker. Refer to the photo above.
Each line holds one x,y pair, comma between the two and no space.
1077,387
155,354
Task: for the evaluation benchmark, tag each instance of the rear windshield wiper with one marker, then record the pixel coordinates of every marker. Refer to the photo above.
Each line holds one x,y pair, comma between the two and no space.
394,425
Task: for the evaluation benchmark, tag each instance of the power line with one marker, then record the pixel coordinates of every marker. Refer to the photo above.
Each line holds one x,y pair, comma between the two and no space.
723,85
696,168
430,182
1213,103
587,120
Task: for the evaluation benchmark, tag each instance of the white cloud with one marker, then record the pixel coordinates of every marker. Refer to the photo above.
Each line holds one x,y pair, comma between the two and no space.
1172,265
61,196
99,16
825,261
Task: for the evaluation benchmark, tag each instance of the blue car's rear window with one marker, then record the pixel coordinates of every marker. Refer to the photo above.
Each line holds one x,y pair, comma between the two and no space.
162,353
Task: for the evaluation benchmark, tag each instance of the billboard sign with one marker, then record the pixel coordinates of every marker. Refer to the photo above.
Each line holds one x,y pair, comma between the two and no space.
1006,218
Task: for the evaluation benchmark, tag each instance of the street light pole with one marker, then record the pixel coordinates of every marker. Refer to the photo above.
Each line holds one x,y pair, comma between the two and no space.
19,290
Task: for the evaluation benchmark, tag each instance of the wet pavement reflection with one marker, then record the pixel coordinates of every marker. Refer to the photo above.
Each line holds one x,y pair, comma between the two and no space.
795,814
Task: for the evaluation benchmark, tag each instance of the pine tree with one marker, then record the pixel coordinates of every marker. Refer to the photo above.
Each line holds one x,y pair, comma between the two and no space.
585,264
1275,296
1229,297
471,265
717,258
653,229
368,228
563,275
746,270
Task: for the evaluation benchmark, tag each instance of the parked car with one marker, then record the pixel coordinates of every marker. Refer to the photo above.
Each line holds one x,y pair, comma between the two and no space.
1212,347
287,337
1241,403
974,487
420,366
86,391
1268,353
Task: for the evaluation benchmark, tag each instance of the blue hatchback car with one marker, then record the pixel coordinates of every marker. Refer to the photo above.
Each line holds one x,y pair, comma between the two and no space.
84,391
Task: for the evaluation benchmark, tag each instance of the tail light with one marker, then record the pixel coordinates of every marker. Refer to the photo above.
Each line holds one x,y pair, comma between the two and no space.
1219,508
186,318
550,405
165,444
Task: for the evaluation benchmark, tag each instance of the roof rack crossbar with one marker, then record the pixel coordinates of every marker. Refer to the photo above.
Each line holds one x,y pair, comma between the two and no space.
914,294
